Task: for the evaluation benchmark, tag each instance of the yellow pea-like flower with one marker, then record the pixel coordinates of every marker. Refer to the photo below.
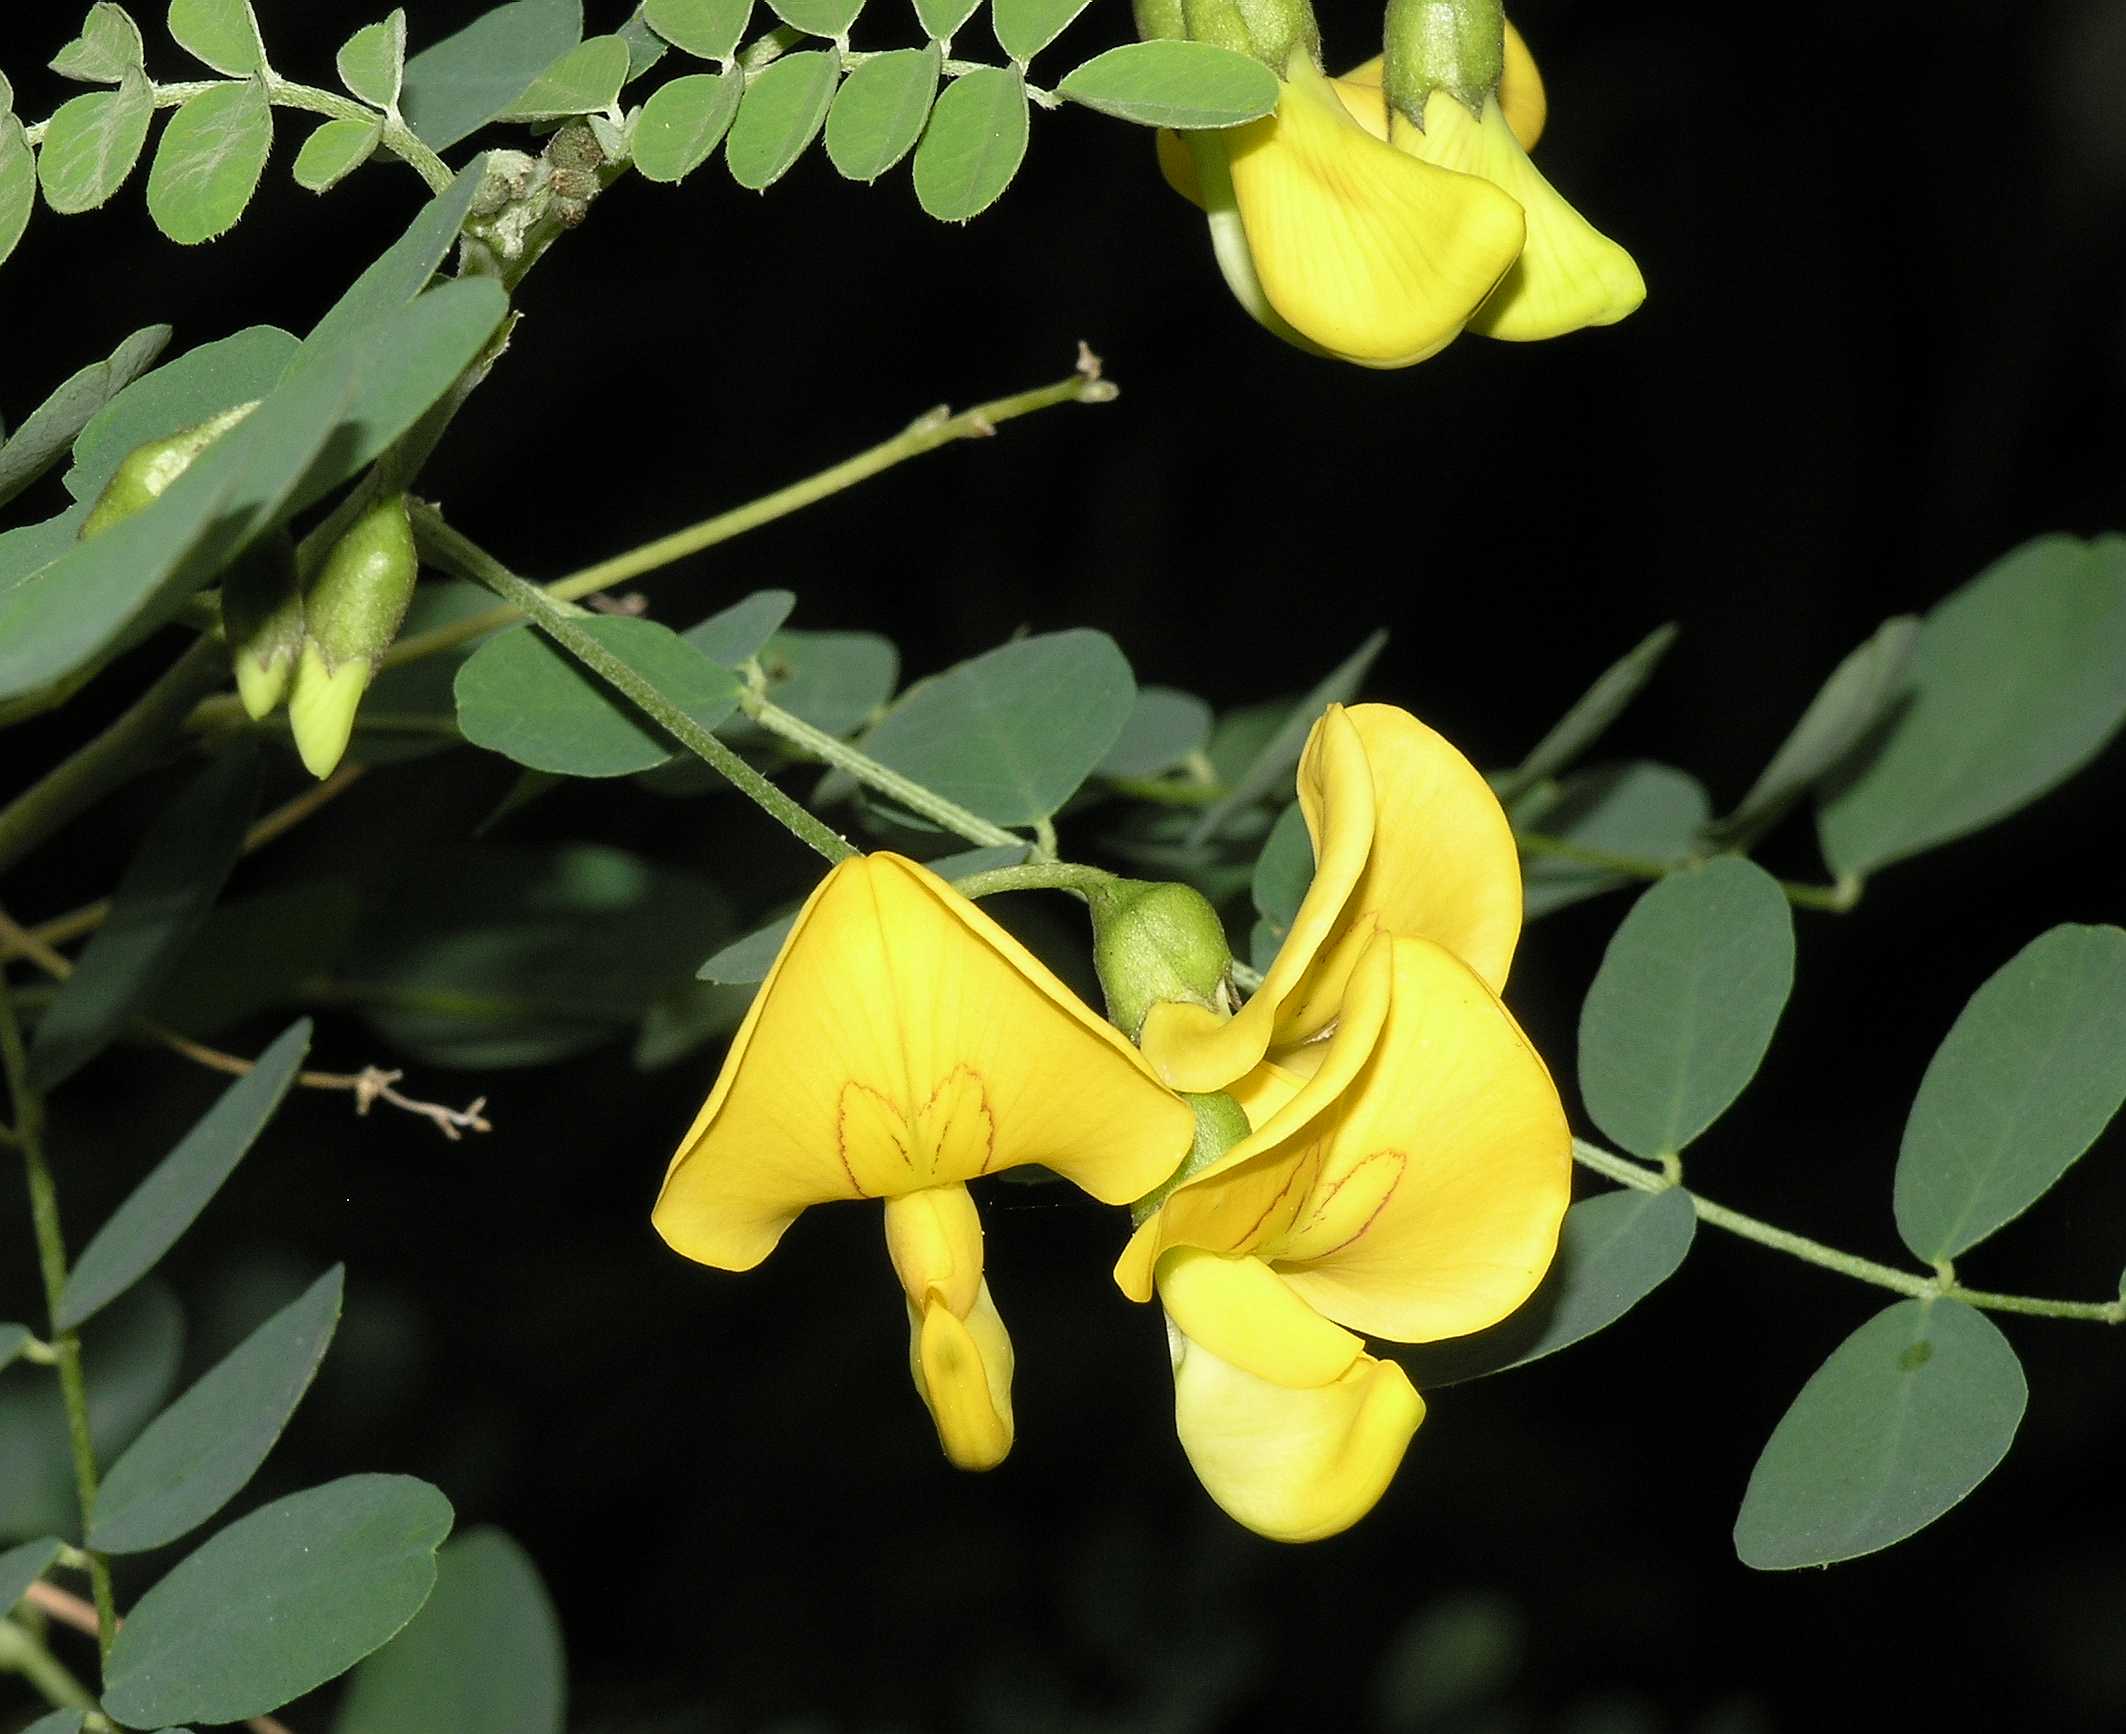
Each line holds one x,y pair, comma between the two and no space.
1327,239
1410,1188
903,1045
1408,839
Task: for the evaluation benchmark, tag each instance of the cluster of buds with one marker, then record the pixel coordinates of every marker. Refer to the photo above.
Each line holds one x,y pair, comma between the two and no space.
314,647
1376,216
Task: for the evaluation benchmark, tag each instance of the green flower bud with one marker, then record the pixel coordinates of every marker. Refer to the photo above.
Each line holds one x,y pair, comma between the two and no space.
1220,1124
262,618
147,470
1159,20
1458,46
1155,942
350,616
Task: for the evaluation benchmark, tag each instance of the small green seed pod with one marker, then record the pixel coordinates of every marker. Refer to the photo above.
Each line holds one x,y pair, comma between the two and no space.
147,470
262,618
350,616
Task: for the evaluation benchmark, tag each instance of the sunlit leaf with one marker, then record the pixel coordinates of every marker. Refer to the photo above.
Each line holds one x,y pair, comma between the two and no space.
684,121
1909,1414
1684,1005
781,113
18,183
207,166
334,151
2015,682
2027,1078
108,47
943,18
879,111
706,29
91,144
372,62
483,1657
202,1450
584,80
223,33
166,892
973,145
1025,27
829,18
278,1603
1186,85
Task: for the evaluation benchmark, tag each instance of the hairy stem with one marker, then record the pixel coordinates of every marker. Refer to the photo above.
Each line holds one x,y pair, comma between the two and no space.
1938,1286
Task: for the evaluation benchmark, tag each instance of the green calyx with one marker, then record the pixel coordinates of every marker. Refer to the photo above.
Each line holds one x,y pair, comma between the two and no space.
1156,942
350,616
1220,1124
1271,31
262,618
1458,46
149,469
1160,20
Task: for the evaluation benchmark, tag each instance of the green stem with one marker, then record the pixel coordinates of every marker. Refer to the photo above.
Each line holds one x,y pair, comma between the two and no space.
397,137
443,545
77,782
22,1653
28,1110
1034,876
832,750
1837,898
1940,1286
925,434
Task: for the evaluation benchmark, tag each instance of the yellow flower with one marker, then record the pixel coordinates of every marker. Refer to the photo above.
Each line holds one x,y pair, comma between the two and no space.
1411,1188
903,1045
1328,239
1408,839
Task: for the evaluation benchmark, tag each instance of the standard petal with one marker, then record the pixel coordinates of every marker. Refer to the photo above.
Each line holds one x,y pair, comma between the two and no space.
1195,1049
1521,94
1292,1464
1442,1172
1376,265
904,1040
1443,866
1569,274
1243,1312
962,1370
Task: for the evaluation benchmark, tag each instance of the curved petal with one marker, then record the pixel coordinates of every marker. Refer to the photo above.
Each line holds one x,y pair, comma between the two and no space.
1292,1464
904,1040
1243,1312
1441,1174
962,1370
934,1238
1196,1050
1178,164
1256,1189
1521,94
1444,865
1378,266
1569,274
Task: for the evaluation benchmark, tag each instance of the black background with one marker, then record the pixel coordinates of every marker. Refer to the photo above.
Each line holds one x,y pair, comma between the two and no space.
1884,342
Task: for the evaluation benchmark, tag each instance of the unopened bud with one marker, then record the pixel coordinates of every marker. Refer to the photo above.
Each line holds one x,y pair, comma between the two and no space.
262,618
1155,942
350,616
147,470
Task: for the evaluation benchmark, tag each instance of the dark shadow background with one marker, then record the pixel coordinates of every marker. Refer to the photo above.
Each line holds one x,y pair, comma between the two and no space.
1885,341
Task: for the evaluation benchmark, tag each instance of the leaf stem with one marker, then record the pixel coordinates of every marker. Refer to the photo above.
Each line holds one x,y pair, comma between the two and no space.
1939,1286
1034,876
455,553
27,1108
925,434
